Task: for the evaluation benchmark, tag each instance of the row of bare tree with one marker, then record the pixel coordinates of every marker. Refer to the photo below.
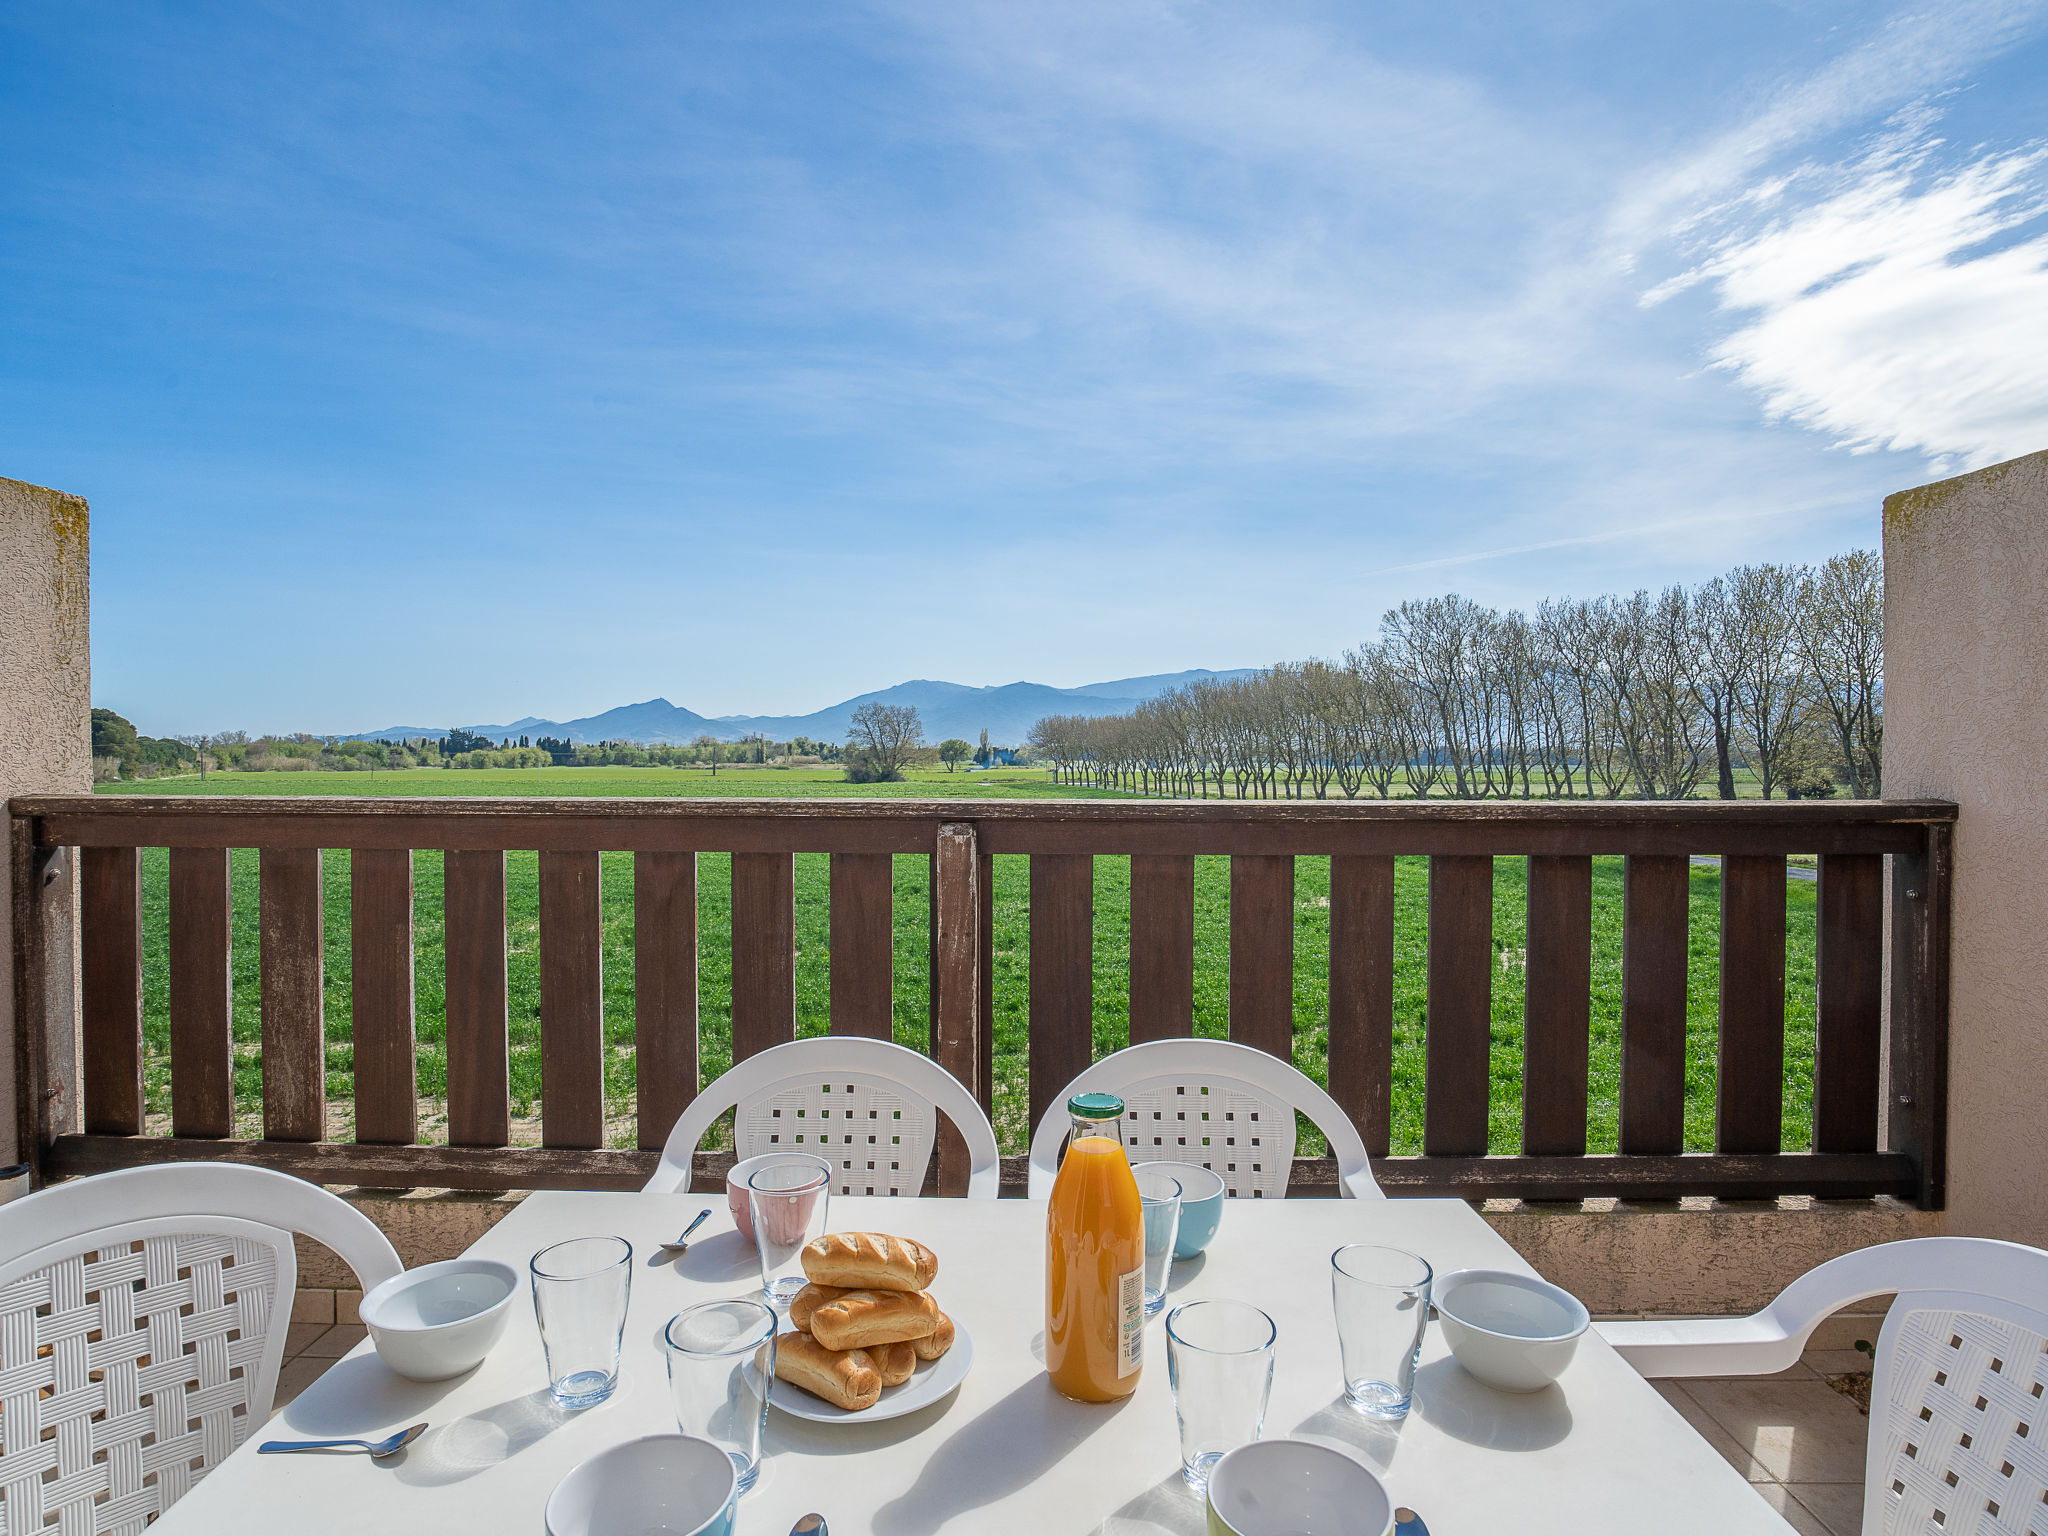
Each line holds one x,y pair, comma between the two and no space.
1773,669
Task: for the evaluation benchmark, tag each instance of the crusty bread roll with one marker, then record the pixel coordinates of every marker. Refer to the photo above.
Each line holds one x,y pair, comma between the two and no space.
807,1301
844,1378
863,1319
870,1261
937,1342
896,1362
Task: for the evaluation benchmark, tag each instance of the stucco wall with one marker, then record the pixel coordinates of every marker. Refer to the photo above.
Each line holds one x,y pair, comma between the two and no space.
45,690
1966,718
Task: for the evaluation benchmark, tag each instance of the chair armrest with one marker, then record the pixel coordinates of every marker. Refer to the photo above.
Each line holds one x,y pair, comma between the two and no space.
1704,1346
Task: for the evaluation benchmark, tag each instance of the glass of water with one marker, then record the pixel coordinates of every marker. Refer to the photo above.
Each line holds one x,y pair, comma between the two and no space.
1219,1357
580,1291
1159,1194
1381,1296
788,1201
716,1396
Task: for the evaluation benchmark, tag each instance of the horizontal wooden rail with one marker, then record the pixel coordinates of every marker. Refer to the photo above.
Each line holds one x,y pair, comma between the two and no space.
1881,1029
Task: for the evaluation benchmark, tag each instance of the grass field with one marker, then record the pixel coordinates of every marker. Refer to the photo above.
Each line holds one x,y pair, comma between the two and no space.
1012,950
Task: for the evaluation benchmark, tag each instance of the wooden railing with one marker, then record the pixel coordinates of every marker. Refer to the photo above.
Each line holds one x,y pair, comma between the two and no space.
81,1056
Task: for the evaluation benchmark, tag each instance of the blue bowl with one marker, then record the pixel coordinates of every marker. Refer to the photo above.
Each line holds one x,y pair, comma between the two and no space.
1201,1205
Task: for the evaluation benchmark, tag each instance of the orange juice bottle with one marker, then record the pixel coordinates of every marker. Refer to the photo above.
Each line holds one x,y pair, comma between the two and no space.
1095,1260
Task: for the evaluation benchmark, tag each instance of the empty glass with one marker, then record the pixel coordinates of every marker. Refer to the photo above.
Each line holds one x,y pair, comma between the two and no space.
580,1291
1382,1300
709,1348
1159,1194
788,1201
1219,1357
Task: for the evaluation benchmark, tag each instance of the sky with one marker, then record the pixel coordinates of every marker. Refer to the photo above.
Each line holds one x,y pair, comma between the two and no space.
469,362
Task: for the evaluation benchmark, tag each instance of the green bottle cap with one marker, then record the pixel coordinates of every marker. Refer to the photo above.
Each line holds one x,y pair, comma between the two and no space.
1096,1106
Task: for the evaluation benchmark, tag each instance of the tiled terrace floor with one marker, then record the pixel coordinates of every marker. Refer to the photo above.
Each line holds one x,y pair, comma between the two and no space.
1797,1440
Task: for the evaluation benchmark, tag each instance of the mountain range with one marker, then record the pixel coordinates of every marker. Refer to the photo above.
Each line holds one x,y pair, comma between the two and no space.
1007,713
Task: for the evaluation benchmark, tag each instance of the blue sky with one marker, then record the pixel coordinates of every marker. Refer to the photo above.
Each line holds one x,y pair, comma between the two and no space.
458,363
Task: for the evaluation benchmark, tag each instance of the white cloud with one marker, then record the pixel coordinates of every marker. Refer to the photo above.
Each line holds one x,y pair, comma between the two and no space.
1893,305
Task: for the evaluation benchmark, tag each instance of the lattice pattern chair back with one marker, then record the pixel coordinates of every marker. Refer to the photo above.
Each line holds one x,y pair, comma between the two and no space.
878,1139
1959,1419
1229,1107
1243,1136
870,1106
139,1348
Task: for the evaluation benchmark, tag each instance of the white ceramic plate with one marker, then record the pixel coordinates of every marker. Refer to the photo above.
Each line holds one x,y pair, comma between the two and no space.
933,1380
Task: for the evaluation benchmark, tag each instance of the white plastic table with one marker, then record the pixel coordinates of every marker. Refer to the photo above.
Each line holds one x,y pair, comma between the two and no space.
1600,1452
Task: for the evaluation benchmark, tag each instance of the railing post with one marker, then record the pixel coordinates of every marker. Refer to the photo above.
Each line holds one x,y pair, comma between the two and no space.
1917,1013
45,995
957,1023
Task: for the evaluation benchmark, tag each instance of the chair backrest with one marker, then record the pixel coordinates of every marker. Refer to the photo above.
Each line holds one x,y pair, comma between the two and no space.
1226,1106
142,1320
1959,1399
870,1107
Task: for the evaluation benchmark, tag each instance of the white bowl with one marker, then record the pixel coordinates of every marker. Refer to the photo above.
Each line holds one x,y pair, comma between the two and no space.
736,1178
1296,1488
1514,1332
441,1319
678,1485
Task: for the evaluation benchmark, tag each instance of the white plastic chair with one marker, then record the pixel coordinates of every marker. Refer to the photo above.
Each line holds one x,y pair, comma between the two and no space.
868,1106
142,1320
1226,1106
1959,1397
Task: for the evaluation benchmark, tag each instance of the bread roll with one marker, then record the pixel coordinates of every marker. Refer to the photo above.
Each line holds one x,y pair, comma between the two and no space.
937,1342
863,1319
896,1362
870,1261
844,1378
807,1301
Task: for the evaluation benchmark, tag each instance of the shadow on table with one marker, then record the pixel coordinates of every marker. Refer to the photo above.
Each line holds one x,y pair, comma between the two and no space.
1467,1410
1185,1272
479,1441
722,1256
1007,1446
1167,1508
358,1394
1343,1427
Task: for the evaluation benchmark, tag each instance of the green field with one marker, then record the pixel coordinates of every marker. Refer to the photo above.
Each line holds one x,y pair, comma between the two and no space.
1012,950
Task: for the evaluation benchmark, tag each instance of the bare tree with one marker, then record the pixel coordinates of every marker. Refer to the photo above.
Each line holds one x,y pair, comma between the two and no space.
1840,638
885,737
1716,673
1768,688
201,742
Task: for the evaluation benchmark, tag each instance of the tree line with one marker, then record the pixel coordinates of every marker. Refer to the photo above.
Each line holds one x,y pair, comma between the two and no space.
1772,672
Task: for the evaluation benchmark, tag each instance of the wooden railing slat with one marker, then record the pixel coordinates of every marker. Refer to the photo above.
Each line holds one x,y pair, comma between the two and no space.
1457,1093
1162,947
479,1041
1849,1007
1262,952
1749,1112
380,954
292,904
1558,993
1656,892
202,990
1916,1088
1361,1055
1062,974
985,1079
664,990
956,999
110,997
571,1000
763,951
863,960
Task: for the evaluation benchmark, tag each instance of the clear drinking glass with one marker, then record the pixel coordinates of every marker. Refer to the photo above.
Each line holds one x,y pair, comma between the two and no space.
1381,1296
709,1348
580,1291
788,1202
1219,1357
1159,1194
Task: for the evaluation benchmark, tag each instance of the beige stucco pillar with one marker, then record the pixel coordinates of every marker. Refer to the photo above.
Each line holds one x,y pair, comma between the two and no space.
1966,719
45,694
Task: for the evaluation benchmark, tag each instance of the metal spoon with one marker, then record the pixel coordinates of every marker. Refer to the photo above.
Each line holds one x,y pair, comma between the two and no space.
377,1449
1409,1523
810,1525
684,1241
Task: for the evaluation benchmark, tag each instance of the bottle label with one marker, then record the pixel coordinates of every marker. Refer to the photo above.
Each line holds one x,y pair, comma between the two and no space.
1130,1323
